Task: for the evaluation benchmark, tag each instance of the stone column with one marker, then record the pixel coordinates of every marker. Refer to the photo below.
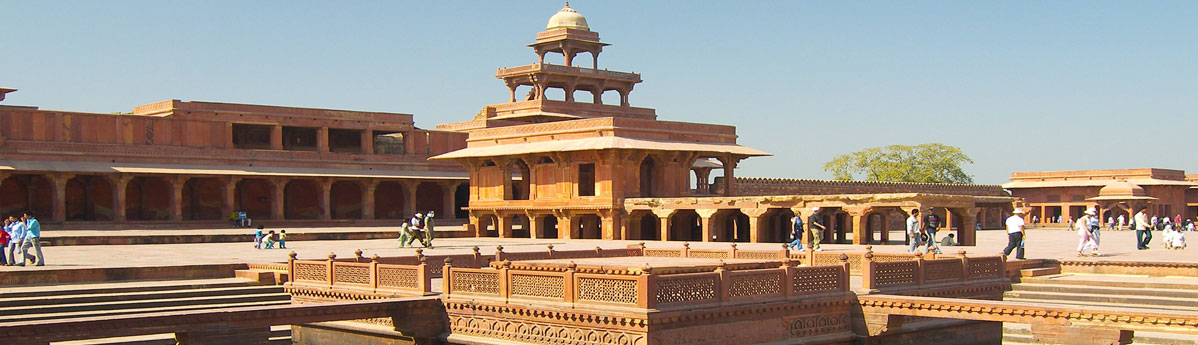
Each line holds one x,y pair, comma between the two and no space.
885,227
756,231
325,202
858,220
322,139
534,226
729,175
177,184
60,196
705,216
276,137
368,187
230,196
449,200
566,227
967,234
503,225
409,204
609,226
367,142
665,223
119,182
277,202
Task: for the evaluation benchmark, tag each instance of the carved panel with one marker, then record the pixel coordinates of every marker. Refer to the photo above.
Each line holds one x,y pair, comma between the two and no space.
708,254
398,277
607,290
818,325
760,255
987,267
311,272
816,279
688,289
538,286
667,253
476,282
765,283
945,269
352,274
895,273
531,332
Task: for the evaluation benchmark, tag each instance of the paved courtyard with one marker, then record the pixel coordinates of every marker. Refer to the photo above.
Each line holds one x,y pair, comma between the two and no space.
1042,243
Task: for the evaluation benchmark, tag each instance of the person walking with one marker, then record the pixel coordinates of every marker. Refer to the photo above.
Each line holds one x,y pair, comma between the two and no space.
33,237
913,234
931,222
258,237
1143,229
16,242
796,233
1121,222
1085,237
815,224
4,236
282,239
1015,233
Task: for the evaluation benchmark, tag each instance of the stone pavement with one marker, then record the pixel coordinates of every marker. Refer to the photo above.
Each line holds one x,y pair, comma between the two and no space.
1042,243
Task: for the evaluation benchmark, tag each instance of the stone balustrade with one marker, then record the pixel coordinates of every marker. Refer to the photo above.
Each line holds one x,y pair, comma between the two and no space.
919,273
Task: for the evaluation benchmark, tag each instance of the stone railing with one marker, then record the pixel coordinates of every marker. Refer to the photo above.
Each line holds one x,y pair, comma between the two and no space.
813,258
373,277
919,273
643,288
730,253
537,67
549,254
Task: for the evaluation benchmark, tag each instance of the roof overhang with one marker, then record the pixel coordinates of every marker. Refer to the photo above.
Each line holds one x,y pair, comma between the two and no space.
598,143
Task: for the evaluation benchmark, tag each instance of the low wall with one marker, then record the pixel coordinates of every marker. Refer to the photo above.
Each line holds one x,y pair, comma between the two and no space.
1154,269
101,274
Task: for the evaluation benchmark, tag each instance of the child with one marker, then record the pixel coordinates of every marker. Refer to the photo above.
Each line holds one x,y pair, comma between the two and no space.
258,238
282,239
1179,240
270,239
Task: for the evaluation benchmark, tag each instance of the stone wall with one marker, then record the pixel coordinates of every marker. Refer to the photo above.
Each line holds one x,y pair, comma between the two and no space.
753,186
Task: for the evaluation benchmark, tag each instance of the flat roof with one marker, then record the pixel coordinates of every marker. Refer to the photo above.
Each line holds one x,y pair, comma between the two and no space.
182,169
597,143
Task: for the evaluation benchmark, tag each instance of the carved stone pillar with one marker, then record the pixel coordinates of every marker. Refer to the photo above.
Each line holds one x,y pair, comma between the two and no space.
409,204
276,137
367,142
535,230
449,200
756,220
567,227
609,225
706,215
326,210
60,196
966,232
859,218
119,182
664,217
503,224
229,202
322,139
368,187
177,184
277,202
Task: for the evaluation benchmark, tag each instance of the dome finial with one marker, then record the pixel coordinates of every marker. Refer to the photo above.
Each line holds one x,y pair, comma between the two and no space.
567,18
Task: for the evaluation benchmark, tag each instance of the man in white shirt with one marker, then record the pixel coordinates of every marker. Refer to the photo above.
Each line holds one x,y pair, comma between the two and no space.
1119,225
1143,229
913,233
1015,234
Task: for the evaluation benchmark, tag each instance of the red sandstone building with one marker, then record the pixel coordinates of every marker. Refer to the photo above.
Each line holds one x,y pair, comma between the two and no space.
1067,194
193,163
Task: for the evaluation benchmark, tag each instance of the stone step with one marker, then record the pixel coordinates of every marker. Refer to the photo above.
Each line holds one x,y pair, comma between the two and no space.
1123,299
49,316
1101,304
1104,290
1020,333
121,287
278,334
1042,271
80,298
1111,281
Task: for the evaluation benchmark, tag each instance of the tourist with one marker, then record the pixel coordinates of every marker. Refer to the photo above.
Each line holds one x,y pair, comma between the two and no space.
15,243
282,239
913,234
815,225
4,237
1177,219
428,229
245,220
233,220
1085,238
270,239
1179,240
258,238
33,237
1143,229
1189,225
1015,234
405,234
1110,223
949,240
796,233
931,222
1122,222
417,228
1035,220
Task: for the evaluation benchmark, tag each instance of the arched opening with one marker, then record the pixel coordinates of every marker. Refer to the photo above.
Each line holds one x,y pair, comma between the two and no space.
19,193
730,226
253,196
584,96
589,227
875,228
430,197
461,200
345,200
203,199
524,93
149,198
89,198
301,200
842,226
644,226
649,178
548,227
517,180
520,226
555,94
686,225
388,200
611,97
488,226
776,225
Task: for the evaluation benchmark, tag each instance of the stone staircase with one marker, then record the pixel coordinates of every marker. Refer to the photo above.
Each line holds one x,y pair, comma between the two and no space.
1041,285
46,302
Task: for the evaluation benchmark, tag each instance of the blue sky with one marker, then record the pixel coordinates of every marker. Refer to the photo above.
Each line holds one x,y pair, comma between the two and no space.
1018,85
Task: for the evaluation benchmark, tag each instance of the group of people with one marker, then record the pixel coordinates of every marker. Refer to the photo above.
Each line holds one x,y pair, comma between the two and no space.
1090,236
419,228
1171,229
19,235
269,239
921,231
239,220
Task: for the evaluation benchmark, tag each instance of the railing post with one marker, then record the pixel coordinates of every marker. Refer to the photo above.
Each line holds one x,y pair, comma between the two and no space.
788,278
732,251
647,298
425,278
447,276
785,252
498,254
291,267
568,293
725,280
374,272
964,265
844,265
332,258
810,257
478,257
686,249
919,272
505,288
869,280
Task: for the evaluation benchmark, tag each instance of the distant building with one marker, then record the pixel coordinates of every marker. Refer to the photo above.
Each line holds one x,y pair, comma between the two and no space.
1067,194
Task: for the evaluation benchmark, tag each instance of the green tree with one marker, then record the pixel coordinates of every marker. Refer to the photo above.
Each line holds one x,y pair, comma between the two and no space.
926,163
